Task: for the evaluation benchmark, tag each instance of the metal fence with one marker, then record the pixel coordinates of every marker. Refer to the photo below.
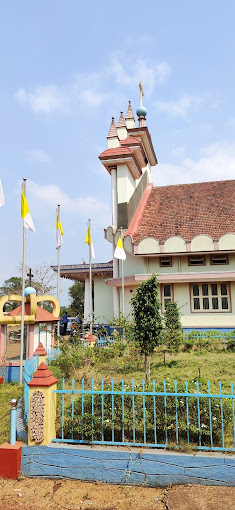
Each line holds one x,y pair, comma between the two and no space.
30,366
199,337
138,415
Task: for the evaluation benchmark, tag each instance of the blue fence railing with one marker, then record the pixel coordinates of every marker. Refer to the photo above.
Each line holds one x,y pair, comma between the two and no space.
138,415
30,366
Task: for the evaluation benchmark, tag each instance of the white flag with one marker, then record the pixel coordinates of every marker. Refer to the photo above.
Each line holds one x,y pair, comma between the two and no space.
2,202
119,250
90,242
59,233
25,213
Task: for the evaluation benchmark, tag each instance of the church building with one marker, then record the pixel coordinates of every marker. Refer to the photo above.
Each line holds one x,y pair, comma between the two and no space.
184,233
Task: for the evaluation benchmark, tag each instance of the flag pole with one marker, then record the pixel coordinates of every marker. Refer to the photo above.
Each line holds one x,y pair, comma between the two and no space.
23,289
90,280
58,274
123,306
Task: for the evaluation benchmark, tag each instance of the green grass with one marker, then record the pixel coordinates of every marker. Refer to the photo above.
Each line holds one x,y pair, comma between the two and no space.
124,362
7,392
115,363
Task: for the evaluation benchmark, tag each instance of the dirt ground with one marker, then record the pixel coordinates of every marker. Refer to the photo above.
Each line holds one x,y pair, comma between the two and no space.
32,494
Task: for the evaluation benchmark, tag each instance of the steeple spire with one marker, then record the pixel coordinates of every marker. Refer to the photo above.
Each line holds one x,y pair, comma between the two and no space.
112,130
141,111
121,122
121,128
130,120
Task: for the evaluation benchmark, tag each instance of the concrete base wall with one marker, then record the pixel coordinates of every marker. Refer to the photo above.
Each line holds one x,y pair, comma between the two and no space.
127,466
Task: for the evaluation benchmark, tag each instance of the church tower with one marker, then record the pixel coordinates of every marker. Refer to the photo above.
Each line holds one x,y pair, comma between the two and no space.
128,159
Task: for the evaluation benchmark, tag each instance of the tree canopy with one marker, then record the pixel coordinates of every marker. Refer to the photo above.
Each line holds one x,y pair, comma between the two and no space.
147,318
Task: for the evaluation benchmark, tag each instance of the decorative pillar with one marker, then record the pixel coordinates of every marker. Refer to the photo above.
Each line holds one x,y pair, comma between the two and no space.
42,407
42,353
113,172
52,334
87,301
2,340
30,340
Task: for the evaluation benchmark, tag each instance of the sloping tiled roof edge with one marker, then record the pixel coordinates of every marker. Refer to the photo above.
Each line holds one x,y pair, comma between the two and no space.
135,222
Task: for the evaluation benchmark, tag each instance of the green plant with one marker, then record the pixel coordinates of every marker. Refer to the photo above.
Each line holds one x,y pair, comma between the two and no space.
147,319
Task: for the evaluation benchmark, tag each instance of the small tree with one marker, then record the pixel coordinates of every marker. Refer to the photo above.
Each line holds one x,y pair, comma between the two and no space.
148,322
173,331
76,293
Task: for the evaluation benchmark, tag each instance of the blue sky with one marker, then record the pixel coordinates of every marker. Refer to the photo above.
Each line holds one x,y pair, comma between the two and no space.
67,67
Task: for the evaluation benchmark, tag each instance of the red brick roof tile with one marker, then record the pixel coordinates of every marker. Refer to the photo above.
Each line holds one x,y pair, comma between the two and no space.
130,139
188,210
116,151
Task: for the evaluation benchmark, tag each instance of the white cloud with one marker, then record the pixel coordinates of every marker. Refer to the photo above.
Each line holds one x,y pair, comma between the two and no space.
91,98
45,99
131,75
92,89
38,156
216,162
181,107
50,195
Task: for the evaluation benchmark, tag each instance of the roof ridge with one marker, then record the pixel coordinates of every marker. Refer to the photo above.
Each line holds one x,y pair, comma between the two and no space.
193,183
133,228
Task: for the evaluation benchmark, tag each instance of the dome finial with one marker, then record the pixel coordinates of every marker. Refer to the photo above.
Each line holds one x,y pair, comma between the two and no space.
141,111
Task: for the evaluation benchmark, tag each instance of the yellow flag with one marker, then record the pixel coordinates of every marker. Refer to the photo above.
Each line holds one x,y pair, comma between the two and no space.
25,213
59,232
119,250
88,241
24,205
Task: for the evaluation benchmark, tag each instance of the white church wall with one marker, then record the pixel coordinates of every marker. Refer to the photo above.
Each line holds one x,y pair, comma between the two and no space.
103,301
134,265
125,184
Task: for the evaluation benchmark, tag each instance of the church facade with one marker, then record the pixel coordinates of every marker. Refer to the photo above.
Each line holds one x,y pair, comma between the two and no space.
185,234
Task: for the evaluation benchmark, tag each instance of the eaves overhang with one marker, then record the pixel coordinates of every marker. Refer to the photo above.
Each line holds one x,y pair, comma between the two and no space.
136,279
80,272
145,136
130,160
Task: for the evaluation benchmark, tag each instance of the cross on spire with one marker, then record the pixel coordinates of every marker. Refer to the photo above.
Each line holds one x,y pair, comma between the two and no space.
141,93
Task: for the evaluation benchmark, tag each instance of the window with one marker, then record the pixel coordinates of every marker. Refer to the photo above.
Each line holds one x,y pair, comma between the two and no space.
196,261
210,297
167,295
165,261
219,259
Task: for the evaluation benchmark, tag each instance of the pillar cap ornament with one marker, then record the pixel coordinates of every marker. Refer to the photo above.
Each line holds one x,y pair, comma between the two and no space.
40,351
43,377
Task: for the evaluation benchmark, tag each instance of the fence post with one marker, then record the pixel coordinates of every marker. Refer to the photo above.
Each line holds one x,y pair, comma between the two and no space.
13,421
42,407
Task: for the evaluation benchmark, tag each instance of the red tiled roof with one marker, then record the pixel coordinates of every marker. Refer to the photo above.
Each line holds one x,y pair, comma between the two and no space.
188,210
130,139
43,377
42,315
116,151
